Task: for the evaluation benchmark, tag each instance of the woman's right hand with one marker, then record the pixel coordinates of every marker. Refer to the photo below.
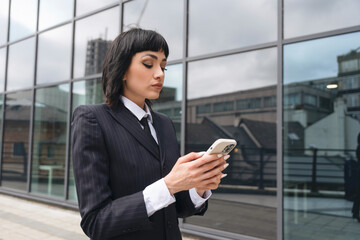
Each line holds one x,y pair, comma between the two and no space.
198,170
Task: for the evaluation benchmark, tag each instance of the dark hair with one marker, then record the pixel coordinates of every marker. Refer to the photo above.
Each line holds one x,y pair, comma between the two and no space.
119,56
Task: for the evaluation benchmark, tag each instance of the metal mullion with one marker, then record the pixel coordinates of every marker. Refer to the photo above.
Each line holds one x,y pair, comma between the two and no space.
232,52
32,108
68,126
279,123
121,14
184,77
322,35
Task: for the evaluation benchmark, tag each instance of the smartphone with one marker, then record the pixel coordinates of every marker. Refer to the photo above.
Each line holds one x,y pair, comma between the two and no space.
223,146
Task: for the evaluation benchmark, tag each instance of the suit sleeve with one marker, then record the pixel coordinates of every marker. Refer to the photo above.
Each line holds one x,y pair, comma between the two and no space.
102,217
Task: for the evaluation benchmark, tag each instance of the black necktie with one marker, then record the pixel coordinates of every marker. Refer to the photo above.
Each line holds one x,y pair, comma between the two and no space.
144,122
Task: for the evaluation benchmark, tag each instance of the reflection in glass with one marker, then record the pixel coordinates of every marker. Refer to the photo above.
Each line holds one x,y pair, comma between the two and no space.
168,21
54,55
21,62
2,68
169,102
321,122
4,13
84,92
227,98
54,12
22,18
16,140
84,6
92,38
242,23
309,17
49,140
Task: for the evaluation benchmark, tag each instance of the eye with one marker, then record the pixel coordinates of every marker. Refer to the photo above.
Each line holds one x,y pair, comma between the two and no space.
147,65
163,69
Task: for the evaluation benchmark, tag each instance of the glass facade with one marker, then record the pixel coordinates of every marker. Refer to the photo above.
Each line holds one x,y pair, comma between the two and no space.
282,77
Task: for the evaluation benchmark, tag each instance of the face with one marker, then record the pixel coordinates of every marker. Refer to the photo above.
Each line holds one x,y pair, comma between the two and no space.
145,76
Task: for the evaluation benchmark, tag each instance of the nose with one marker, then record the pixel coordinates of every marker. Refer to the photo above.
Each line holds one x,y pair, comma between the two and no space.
159,73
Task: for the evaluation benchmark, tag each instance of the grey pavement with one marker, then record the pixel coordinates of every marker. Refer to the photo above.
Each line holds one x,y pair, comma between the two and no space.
22,219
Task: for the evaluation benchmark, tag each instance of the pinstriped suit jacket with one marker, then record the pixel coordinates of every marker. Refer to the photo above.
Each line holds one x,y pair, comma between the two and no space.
114,160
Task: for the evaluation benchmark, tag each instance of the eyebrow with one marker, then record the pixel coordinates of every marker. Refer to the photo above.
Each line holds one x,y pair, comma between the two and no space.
153,56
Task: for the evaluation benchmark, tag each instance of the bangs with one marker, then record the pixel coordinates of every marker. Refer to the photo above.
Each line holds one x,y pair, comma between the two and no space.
148,40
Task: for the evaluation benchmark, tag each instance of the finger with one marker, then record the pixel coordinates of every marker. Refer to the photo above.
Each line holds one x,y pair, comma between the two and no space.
215,171
206,158
189,157
212,165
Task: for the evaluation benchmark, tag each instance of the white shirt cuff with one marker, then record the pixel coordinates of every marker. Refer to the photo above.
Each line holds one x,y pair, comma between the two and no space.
157,196
198,200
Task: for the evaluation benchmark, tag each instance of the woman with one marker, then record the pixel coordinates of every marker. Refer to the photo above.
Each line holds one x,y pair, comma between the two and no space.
356,204
130,181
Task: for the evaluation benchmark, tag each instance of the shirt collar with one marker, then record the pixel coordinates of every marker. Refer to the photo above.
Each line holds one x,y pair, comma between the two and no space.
138,112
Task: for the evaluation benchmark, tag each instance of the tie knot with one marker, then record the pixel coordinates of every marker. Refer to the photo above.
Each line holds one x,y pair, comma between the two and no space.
144,121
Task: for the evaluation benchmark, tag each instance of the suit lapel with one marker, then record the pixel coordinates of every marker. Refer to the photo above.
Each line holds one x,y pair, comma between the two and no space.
123,116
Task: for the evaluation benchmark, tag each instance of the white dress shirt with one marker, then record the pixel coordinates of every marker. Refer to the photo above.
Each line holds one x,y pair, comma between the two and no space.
157,195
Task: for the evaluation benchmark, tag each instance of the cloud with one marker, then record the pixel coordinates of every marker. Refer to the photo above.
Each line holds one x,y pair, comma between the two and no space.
232,73
309,16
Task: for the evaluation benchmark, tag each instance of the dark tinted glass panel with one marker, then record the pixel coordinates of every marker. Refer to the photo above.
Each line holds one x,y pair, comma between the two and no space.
309,17
170,98
84,92
54,55
222,25
249,190
168,21
54,12
16,140
4,14
49,140
92,37
84,6
321,138
22,18
21,64
2,68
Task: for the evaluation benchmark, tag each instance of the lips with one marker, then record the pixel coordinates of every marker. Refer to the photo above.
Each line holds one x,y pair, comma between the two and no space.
157,85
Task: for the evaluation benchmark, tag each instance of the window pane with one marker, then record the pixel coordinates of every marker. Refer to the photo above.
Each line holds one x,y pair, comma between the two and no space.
54,12
249,190
54,55
2,68
309,16
238,24
21,65
49,140
321,122
84,92
168,21
170,98
84,6
4,14
22,18
92,37
16,140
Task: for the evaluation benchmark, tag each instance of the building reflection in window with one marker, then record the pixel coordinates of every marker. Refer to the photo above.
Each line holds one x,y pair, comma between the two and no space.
321,126
16,140
170,99
49,140
228,97
93,35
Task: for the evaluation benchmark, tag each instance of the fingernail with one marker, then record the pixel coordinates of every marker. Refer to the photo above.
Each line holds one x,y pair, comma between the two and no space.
224,175
226,157
226,165
219,155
